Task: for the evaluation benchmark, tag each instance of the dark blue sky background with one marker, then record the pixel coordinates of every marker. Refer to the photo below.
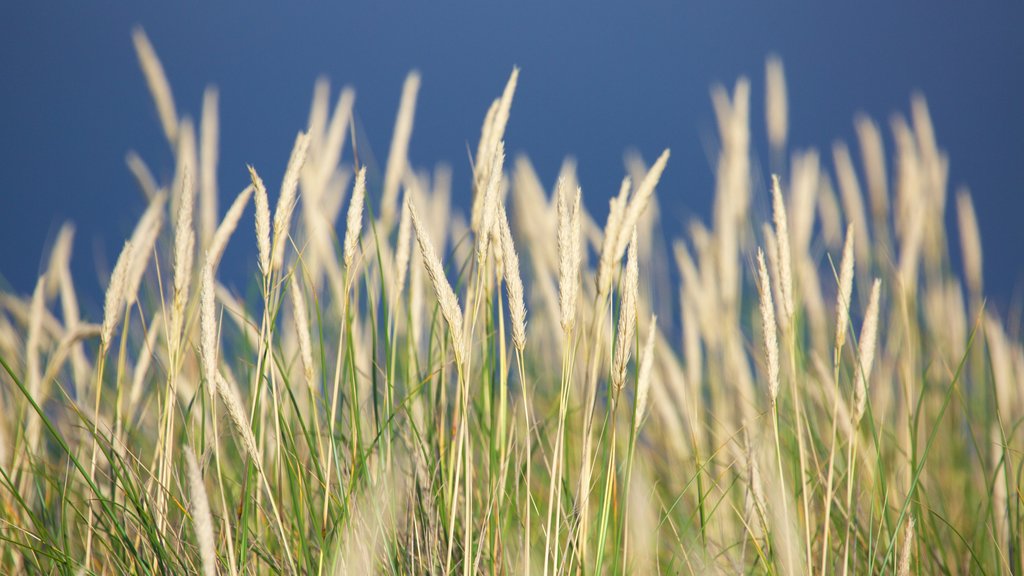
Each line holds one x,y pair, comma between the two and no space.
596,80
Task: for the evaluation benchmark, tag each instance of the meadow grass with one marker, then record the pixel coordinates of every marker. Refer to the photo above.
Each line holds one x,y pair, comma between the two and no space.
824,397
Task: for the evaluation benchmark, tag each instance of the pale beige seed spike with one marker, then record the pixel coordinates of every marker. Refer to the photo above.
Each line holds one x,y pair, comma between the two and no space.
113,306
450,308
776,105
845,288
643,386
490,202
240,419
903,569
184,241
202,521
144,239
970,241
873,154
568,252
867,343
158,85
513,282
354,219
209,134
301,316
627,316
143,176
60,258
853,199
616,212
208,325
228,225
262,220
771,338
403,247
398,154
785,255
289,196
639,202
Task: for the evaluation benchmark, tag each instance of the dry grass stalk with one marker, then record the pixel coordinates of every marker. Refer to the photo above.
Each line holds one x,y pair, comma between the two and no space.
970,241
227,226
209,134
513,282
785,255
776,111
398,153
113,307
867,343
262,221
354,219
845,288
289,196
771,338
301,316
643,386
903,568
627,316
489,205
442,289
158,85
202,521
569,253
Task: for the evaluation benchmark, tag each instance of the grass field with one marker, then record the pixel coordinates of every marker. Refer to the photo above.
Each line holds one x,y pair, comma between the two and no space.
405,387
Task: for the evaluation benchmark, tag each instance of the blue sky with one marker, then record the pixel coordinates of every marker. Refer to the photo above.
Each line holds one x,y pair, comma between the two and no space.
596,81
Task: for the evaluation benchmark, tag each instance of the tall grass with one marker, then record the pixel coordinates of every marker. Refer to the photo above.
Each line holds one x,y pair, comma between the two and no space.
840,403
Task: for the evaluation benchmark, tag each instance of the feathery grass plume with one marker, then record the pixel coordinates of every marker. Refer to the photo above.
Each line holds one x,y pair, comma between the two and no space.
113,304
239,418
638,202
403,246
845,288
569,249
970,241
643,381
262,220
398,154
785,255
354,220
513,281
873,155
143,176
776,112
158,85
227,226
289,196
903,568
302,328
184,242
208,325
442,289
209,134
60,258
627,316
868,340
32,359
143,239
771,338
202,521
489,206
491,133
852,198
616,212
754,480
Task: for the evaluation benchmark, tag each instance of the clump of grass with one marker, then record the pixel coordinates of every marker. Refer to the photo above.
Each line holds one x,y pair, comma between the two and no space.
349,418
